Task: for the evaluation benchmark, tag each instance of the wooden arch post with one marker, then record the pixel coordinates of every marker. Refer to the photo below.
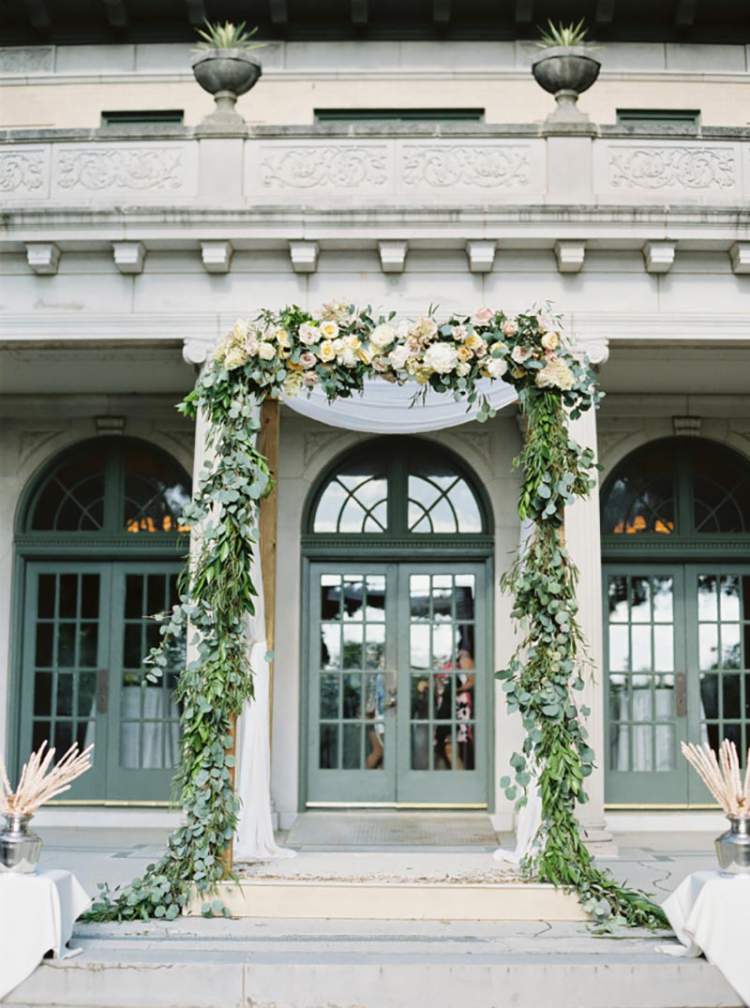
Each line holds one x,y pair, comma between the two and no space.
268,445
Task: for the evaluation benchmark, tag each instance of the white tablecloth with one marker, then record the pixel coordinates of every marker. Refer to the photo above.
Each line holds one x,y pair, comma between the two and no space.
710,914
37,914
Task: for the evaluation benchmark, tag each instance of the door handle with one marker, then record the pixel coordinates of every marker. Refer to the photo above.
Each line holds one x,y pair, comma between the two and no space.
102,691
391,688
392,700
680,694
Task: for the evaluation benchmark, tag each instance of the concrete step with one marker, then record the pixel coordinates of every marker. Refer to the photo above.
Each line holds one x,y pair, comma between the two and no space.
314,963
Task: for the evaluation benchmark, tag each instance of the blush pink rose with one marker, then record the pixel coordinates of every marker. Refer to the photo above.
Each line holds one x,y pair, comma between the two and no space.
482,316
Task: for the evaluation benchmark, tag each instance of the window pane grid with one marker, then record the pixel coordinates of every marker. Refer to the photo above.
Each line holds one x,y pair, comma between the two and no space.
641,673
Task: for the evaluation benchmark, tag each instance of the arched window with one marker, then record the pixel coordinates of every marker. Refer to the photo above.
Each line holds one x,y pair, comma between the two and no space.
99,550
398,486
111,485
678,487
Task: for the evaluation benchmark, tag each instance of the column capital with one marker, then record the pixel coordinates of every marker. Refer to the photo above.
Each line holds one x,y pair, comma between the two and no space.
195,350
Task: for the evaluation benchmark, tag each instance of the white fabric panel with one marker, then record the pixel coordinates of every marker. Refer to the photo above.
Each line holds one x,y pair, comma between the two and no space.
37,913
254,840
384,408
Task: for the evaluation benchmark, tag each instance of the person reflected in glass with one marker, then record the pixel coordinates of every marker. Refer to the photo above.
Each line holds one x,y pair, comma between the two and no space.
465,709
375,728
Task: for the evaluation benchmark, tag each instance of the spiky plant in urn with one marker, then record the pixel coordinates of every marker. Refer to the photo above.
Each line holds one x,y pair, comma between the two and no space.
565,67
224,65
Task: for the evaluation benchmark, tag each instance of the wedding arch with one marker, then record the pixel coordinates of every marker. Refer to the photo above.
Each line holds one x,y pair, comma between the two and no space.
334,352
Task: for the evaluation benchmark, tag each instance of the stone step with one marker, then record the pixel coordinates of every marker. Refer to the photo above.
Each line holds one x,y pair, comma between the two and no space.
313,963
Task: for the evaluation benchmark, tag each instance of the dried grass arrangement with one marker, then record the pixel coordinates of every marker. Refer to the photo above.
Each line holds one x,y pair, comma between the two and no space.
40,780
722,776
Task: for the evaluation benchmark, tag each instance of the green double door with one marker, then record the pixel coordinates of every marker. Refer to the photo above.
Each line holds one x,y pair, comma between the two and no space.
398,684
677,662
87,629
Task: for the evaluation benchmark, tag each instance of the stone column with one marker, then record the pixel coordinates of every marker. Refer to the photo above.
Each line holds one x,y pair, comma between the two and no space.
584,544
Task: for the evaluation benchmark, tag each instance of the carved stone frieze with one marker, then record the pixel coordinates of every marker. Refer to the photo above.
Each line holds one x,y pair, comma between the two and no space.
334,166
689,168
23,172
482,167
136,168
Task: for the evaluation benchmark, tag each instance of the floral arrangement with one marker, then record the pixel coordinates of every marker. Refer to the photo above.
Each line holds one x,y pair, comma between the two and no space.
337,349
40,781
339,346
722,776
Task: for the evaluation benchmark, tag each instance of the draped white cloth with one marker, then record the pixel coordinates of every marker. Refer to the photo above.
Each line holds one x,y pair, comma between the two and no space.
254,840
709,913
37,914
384,408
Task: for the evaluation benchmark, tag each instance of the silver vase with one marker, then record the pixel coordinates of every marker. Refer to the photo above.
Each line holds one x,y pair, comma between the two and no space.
20,849
733,847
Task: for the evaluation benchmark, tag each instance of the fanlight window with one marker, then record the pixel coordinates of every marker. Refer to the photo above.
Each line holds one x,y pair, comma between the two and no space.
398,486
112,485
678,486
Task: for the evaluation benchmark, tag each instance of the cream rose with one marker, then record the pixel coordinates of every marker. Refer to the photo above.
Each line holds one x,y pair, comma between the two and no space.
555,374
329,329
441,357
462,369
327,351
477,344
266,351
235,357
520,354
495,367
425,329
551,341
293,383
382,336
307,359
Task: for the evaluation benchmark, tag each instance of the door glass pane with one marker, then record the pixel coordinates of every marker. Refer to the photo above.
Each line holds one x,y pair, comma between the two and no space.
149,729
65,657
351,702
641,647
723,638
443,677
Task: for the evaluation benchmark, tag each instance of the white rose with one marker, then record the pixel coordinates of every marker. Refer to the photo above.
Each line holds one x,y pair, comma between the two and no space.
520,354
308,334
555,374
266,351
398,357
348,357
462,369
496,367
382,336
550,341
240,329
441,357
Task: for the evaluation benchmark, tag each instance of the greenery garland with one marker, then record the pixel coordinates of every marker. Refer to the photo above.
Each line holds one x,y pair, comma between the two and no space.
338,349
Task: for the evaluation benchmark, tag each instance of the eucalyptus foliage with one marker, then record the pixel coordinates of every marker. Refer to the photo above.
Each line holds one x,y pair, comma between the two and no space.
338,349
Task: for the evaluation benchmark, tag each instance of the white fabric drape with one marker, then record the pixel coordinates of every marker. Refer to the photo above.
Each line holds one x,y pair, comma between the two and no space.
254,840
384,408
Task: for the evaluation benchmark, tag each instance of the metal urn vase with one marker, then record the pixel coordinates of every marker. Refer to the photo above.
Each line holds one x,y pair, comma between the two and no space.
733,847
20,849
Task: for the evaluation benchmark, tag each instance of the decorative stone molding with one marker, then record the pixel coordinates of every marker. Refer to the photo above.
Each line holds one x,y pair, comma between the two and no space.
495,166
686,426
304,256
691,169
659,256
739,255
332,166
481,255
318,441
570,256
134,168
129,256
392,256
216,256
477,442
24,172
195,350
109,424
31,441
43,257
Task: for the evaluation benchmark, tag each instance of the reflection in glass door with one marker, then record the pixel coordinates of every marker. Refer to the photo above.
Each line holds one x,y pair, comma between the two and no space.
677,648
397,685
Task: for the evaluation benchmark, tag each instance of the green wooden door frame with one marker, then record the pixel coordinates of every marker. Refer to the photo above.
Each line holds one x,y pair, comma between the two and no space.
399,551
59,550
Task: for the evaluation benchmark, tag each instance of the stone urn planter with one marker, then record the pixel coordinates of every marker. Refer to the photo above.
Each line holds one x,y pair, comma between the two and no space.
226,74
565,72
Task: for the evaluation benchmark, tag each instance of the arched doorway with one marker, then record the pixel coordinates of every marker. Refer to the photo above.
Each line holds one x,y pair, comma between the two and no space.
676,549
99,550
397,675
